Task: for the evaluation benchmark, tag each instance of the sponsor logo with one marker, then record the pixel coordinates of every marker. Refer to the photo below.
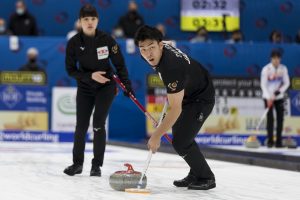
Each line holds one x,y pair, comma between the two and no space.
10,96
67,105
296,83
154,81
29,136
28,78
296,101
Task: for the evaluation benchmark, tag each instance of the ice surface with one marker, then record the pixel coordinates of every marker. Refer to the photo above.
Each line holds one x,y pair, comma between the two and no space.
34,171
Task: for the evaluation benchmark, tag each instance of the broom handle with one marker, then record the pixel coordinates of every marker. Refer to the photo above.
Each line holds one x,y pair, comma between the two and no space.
145,169
262,118
139,105
150,152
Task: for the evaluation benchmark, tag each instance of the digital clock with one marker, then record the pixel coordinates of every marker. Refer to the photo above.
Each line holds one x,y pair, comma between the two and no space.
214,15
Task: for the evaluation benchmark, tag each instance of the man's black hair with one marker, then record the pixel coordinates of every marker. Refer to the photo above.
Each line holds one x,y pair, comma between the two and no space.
275,54
147,32
88,11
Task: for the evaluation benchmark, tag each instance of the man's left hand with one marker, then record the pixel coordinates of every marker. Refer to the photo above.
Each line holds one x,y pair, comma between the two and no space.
154,143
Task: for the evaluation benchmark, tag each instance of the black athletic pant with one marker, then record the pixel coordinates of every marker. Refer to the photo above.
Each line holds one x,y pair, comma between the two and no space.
279,107
185,130
101,99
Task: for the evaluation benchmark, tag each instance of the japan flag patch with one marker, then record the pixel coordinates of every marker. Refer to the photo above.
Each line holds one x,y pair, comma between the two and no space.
102,52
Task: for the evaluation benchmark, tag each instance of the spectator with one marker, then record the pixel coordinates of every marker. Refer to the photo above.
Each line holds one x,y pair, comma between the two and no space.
3,29
22,22
162,29
131,21
32,63
117,32
236,37
201,35
297,38
77,28
276,37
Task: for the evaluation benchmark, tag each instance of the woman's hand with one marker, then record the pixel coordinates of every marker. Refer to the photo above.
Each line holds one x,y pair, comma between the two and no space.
98,76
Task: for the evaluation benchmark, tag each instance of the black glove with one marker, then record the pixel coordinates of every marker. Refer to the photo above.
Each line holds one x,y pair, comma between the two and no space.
277,92
128,87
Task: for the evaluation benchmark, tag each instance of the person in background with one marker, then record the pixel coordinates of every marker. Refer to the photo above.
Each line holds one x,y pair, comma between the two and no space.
22,23
3,29
297,37
276,37
236,37
89,55
76,29
117,33
131,21
32,62
201,35
274,83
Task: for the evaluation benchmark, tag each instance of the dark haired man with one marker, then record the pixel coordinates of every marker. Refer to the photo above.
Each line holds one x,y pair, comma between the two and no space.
191,98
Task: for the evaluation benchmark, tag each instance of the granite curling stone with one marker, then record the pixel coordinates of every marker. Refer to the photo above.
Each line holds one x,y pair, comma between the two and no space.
252,142
289,143
120,180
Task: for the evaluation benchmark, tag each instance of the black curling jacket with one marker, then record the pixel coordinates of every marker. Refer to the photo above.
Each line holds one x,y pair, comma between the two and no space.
85,55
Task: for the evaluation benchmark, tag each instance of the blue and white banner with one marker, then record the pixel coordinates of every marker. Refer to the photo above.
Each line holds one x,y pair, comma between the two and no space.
23,98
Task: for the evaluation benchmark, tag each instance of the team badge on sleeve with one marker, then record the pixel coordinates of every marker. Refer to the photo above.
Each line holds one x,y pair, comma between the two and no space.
173,86
114,49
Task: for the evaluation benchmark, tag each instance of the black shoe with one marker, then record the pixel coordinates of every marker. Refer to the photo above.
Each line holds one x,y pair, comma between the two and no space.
270,144
279,145
203,184
186,181
95,171
73,169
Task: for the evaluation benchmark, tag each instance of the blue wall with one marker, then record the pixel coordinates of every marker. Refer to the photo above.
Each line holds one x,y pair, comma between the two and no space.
126,121
258,17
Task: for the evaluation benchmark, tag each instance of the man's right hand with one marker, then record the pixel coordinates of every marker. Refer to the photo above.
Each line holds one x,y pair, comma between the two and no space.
98,76
269,103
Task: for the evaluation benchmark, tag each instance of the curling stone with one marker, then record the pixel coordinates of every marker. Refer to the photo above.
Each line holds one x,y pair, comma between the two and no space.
120,180
290,143
252,142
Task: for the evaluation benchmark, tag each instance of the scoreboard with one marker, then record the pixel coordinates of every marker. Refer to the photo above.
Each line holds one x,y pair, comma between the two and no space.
214,15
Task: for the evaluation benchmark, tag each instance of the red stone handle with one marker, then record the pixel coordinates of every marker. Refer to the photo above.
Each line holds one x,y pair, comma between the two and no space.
129,168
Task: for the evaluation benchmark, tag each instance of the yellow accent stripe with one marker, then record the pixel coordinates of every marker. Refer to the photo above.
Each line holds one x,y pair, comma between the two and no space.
211,23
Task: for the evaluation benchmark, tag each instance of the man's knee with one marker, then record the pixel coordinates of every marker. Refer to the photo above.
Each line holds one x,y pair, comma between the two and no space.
181,147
